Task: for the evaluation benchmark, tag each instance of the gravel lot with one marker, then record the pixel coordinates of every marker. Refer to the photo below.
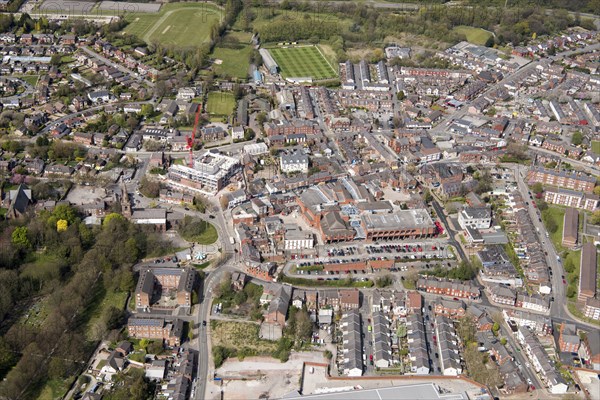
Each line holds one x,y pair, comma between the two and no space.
263,375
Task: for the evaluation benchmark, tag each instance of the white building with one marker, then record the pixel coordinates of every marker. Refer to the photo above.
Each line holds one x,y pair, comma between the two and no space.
475,217
186,93
237,133
256,149
211,172
294,162
295,239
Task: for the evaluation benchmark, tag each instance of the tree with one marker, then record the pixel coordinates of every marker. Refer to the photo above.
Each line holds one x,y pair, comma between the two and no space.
55,60
384,281
112,217
427,196
577,139
149,188
400,95
61,225
495,328
147,110
19,237
401,331
595,219
304,326
537,188
597,190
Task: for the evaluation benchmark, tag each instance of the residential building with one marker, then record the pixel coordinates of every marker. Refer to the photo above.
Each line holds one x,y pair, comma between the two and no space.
180,280
170,332
571,198
568,340
570,180
350,325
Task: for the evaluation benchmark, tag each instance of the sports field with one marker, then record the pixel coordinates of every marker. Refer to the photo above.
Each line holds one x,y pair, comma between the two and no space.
306,61
179,24
220,104
474,35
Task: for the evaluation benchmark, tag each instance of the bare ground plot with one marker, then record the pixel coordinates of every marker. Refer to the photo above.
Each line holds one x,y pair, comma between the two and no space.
273,377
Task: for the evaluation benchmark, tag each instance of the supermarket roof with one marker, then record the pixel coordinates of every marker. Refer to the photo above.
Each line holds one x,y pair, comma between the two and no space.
427,391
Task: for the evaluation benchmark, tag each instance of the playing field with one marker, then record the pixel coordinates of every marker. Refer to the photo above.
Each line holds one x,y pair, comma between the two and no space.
306,61
474,35
179,24
234,55
220,104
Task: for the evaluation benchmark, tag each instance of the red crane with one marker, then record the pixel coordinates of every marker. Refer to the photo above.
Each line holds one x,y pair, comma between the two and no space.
192,138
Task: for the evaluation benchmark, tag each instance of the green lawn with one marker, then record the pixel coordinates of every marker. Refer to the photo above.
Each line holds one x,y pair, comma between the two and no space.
31,79
220,104
474,35
234,54
305,61
596,146
179,24
115,299
55,389
558,215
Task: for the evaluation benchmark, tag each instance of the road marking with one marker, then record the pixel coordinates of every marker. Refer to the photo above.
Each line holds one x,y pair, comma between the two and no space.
166,29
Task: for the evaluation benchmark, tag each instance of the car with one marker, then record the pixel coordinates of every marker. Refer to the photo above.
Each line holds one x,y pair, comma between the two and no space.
437,355
203,323
186,208
529,381
455,298
211,216
564,282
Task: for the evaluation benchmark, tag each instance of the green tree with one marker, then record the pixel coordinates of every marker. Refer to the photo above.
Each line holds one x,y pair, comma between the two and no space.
595,219
537,188
577,139
55,59
147,110
19,237
384,281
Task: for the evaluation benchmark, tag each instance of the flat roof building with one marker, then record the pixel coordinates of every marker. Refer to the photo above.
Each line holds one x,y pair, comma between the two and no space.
587,272
403,224
211,172
570,228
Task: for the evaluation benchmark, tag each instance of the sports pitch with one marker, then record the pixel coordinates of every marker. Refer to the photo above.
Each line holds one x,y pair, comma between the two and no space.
179,24
306,61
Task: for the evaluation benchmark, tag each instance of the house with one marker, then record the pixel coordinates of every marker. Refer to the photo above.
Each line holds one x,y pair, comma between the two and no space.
238,281
568,340
475,217
349,299
124,348
350,326
237,133
157,370
277,310
294,162
99,96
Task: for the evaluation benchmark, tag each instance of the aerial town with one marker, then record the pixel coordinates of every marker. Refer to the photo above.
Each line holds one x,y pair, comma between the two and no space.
242,201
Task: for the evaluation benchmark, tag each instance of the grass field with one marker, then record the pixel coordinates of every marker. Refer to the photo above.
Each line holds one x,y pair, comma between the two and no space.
238,335
179,24
474,35
558,215
220,104
304,61
115,299
596,146
234,53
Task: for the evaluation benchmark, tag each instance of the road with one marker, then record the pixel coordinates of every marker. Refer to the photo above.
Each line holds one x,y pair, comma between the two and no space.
558,309
28,89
